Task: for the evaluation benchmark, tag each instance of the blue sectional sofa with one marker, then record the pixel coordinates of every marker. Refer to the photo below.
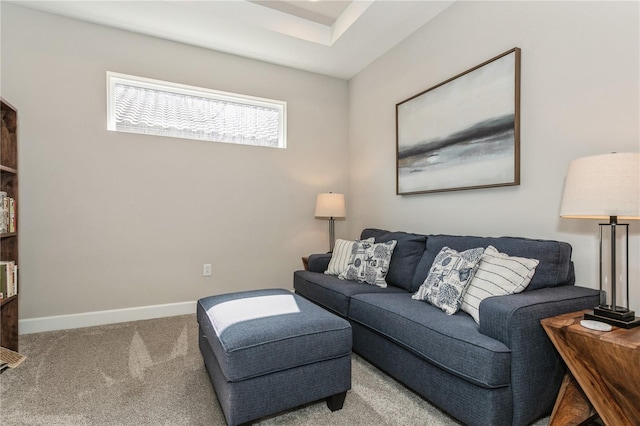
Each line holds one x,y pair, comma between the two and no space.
502,371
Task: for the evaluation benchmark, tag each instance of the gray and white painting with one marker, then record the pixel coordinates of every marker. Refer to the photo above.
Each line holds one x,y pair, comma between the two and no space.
460,134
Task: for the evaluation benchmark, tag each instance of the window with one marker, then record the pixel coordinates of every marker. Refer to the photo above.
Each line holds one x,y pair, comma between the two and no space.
153,107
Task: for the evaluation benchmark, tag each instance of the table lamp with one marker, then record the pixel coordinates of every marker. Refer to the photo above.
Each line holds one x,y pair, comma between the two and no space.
607,187
330,206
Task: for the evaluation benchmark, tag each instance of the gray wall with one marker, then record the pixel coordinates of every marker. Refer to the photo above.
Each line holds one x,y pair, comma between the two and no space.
580,96
113,220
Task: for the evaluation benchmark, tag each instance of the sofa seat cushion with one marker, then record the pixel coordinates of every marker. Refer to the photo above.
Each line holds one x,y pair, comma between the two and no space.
555,267
452,342
259,332
333,293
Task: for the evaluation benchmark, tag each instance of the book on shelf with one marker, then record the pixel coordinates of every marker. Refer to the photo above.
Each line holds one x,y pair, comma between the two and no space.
7,213
12,215
4,218
8,279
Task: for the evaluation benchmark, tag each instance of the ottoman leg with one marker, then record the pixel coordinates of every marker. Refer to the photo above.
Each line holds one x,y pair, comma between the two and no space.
335,402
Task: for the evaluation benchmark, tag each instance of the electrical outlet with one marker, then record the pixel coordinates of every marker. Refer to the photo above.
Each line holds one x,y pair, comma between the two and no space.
206,270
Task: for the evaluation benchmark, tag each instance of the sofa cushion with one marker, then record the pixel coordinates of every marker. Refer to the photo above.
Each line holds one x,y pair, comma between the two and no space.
342,252
454,343
498,274
555,267
332,293
448,278
369,262
408,252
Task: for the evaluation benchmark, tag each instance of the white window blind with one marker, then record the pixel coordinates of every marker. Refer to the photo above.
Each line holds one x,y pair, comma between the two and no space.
142,105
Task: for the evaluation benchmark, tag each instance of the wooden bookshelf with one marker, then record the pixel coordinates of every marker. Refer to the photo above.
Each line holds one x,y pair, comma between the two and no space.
9,241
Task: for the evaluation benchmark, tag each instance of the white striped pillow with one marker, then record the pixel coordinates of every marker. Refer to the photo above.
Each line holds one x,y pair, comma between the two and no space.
498,274
341,255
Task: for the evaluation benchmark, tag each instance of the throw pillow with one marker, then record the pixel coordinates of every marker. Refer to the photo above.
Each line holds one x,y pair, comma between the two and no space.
369,263
448,278
342,251
498,274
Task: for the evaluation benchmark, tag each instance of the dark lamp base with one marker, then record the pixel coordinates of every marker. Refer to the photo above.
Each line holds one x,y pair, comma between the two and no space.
623,323
619,313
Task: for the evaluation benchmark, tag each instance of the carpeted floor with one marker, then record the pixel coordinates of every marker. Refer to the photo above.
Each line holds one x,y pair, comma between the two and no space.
151,373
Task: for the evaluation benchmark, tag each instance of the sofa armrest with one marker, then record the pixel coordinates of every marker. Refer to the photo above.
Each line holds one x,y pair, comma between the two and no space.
536,368
319,262
505,317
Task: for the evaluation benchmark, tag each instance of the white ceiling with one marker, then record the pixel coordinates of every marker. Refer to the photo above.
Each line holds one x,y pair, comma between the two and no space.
335,38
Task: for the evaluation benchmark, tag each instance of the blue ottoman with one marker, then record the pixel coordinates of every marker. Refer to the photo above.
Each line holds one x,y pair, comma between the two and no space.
270,350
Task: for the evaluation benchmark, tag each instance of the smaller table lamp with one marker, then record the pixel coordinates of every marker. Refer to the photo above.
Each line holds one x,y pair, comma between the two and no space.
607,187
330,206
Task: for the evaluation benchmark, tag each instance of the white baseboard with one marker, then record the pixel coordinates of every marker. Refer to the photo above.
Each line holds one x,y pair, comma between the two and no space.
88,319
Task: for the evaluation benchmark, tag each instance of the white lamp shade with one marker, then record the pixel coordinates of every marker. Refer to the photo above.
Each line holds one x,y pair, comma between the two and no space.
330,205
602,186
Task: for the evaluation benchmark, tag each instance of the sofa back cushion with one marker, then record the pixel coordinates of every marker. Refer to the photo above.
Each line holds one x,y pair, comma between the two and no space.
555,267
406,255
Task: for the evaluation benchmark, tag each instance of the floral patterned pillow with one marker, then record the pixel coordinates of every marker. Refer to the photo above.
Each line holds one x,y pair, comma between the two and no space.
448,278
369,262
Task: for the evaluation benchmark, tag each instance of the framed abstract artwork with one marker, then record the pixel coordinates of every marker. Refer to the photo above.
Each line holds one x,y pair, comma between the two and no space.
463,133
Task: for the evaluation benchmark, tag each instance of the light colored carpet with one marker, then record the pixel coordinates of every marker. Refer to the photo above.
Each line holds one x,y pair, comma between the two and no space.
151,373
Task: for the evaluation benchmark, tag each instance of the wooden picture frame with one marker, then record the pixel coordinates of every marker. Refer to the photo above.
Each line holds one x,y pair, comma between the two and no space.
463,133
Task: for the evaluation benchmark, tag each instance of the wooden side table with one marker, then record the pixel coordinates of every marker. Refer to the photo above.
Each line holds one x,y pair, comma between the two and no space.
604,372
